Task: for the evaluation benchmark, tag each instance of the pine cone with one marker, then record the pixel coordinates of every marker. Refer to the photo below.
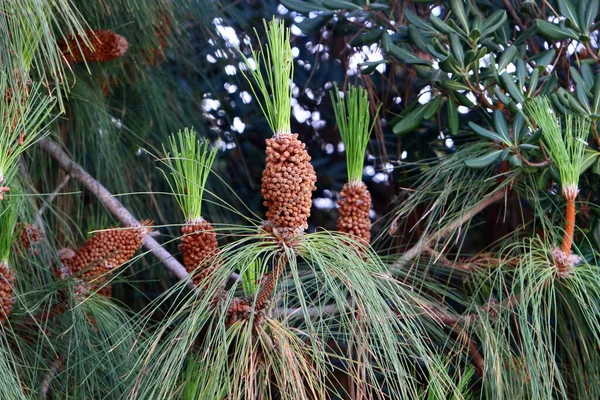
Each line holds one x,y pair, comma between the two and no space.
106,46
30,235
354,207
287,183
199,247
105,251
7,282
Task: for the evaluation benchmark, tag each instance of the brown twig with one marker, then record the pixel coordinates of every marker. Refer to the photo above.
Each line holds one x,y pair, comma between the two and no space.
423,243
55,193
49,376
113,205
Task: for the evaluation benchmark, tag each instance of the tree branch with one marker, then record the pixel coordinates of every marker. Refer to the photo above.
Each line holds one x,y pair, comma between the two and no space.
113,205
423,243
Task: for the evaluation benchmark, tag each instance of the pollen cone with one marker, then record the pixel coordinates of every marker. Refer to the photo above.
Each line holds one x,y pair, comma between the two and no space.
7,282
354,206
199,247
106,46
287,183
107,250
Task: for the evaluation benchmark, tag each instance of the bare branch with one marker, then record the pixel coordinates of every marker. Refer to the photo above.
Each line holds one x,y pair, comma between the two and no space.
51,198
113,205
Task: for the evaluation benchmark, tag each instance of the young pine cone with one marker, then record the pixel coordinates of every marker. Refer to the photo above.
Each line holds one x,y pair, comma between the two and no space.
7,282
287,183
354,206
199,247
106,250
30,235
106,46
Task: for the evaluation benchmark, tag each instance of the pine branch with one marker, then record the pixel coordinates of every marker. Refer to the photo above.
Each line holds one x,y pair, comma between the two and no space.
112,204
424,243
54,194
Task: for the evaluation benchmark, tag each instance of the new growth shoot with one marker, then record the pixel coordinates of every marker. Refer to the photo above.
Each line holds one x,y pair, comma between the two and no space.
190,164
353,120
567,153
270,71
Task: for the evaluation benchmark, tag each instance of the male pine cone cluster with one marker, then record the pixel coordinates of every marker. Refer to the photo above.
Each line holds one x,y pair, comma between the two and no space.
105,251
7,282
287,183
106,46
354,206
199,247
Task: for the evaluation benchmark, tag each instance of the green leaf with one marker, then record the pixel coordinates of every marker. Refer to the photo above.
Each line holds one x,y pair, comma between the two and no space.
453,119
340,4
484,161
544,58
528,147
493,22
555,32
457,48
451,84
463,100
441,26
370,66
501,126
507,56
431,107
417,38
458,8
303,7
511,88
406,56
418,22
567,9
487,133
533,81
367,38
590,156
410,122
596,95
586,17
311,26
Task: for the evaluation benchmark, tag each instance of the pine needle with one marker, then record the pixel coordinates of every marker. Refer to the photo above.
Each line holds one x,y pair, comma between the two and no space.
352,117
566,151
190,166
8,220
269,73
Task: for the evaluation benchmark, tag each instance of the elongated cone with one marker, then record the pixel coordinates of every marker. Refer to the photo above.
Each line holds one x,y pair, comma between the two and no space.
287,183
107,250
106,46
199,247
7,282
354,207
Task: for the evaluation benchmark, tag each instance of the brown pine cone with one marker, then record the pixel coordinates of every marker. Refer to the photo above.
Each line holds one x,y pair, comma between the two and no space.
354,206
30,235
7,282
106,46
287,183
199,247
106,250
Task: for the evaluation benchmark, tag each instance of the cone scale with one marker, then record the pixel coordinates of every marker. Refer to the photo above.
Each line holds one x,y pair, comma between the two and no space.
354,207
199,247
7,282
105,46
288,181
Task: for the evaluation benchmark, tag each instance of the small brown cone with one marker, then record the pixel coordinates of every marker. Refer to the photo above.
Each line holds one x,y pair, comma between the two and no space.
106,250
30,235
7,282
354,207
287,183
106,46
199,247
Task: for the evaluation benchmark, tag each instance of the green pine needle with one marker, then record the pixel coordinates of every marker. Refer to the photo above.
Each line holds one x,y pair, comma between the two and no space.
8,221
352,116
272,74
190,165
566,151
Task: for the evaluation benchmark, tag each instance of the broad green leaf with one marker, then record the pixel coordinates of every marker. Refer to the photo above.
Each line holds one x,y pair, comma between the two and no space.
431,107
487,133
515,161
588,75
507,56
520,72
367,38
303,7
555,32
406,56
528,147
493,22
417,38
453,119
370,66
544,58
501,95
410,122
518,125
501,126
590,157
586,18
340,4
441,26
458,8
463,100
567,9
457,48
596,95
451,84
418,22
313,25
533,81
511,88
484,161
